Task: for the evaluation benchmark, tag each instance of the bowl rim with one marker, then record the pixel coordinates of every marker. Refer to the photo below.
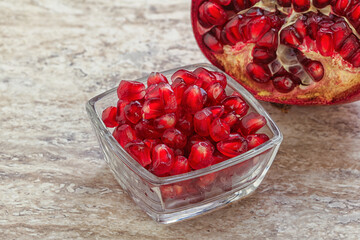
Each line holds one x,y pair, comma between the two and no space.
155,180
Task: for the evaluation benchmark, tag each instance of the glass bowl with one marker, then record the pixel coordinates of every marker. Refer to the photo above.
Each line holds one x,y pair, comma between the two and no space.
174,198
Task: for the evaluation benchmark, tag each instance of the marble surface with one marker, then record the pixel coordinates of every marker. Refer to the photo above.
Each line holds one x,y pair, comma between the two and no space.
56,54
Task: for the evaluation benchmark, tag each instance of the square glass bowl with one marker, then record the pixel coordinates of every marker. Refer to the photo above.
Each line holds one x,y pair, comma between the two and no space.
174,198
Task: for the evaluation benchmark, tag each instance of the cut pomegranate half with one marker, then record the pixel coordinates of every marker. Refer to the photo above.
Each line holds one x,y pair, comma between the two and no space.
285,51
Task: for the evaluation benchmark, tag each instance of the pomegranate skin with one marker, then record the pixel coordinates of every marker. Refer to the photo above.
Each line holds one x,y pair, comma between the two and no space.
329,91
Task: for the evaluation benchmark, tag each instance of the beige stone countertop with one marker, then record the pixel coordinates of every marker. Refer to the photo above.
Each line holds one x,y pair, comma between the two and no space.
57,54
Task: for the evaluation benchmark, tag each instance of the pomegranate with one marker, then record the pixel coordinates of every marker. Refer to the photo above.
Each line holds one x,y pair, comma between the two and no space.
285,51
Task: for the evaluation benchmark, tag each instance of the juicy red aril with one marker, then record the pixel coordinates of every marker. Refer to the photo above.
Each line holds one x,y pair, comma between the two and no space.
200,155
255,140
216,93
206,182
165,121
181,165
257,28
206,78
130,90
185,124
109,117
188,77
263,55
258,72
289,36
236,104
218,157
145,129
313,22
194,98
153,108
202,121
283,84
124,134
151,143
140,152
213,43
300,27
120,113
232,31
230,118
220,78
179,87
162,160
223,2
196,139
355,59
349,47
301,5
284,3
321,3
354,16
269,40
174,138
212,14
324,42
156,78
341,31
251,123
132,111
167,97
219,130
315,69
341,6
217,111
241,4
232,148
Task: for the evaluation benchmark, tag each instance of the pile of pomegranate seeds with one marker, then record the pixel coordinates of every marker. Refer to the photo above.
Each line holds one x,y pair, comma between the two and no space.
187,125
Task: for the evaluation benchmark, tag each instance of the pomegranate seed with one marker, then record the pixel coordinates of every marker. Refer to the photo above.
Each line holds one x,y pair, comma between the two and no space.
200,155
171,191
206,182
152,92
216,93
196,139
284,3
153,108
258,72
263,55
181,165
179,87
315,69
212,14
235,103
251,123
313,22
341,31
283,84
326,23
130,90
289,36
145,129
156,78
231,118
194,98
324,42
219,130
217,111
188,77
213,43
120,113
254,12
349,47
162,160
174,138
355,59
321,3
220,78
341,6
132,112
218,157
124,134
151,143
232,30
232,148
139,151
300,27
241,4
109,117
354,15
165,121
301,5
257,28
206,78
255,140
202,121
269,40
185,124
223,2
